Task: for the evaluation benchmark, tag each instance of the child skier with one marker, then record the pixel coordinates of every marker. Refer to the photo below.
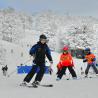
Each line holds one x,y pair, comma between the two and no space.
66,61
90,59
38,51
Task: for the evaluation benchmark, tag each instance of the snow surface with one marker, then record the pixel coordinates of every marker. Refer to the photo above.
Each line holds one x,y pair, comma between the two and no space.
9,86
19,31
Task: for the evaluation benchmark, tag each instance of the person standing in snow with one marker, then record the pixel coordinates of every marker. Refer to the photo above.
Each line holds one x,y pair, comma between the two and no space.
4,70
39,51
66,61
90,59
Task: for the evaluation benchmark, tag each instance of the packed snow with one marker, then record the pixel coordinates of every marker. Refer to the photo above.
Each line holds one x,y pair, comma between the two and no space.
9,86
19,31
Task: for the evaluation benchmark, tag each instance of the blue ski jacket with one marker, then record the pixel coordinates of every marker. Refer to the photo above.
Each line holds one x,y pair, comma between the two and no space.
39,51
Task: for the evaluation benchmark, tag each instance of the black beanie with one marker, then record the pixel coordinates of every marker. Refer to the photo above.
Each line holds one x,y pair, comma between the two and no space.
43,36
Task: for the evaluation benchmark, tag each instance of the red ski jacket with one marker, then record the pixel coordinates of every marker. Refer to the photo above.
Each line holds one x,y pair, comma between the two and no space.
65,60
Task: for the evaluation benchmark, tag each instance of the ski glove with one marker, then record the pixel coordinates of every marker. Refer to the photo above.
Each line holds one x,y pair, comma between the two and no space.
51,62
84,60
94,59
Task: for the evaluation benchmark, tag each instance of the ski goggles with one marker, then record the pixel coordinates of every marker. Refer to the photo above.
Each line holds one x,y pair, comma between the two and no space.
44,40
86,52
65,51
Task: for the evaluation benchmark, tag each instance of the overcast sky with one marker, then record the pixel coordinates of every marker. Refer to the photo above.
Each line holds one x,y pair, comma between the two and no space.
73,7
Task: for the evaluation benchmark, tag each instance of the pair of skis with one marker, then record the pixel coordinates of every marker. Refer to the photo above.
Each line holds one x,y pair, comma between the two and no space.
36,86
43,85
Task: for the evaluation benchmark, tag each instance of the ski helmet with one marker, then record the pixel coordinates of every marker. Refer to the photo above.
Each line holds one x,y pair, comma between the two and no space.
65,48
87,49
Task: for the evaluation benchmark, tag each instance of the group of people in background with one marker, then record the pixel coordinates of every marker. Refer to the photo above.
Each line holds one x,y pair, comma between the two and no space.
41,50
66,61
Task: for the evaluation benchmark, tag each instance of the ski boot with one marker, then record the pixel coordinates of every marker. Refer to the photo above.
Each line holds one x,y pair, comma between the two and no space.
86,76
74,78
58,79
35,84
97,75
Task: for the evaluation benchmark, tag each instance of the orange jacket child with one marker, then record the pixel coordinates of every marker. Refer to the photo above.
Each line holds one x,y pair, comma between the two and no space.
90,59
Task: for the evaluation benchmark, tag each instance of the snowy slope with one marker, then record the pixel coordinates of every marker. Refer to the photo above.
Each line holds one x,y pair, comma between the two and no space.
9,87
58,28
14,59
13,54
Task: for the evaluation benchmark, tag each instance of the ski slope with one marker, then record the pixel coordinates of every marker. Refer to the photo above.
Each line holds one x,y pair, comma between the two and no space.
9,86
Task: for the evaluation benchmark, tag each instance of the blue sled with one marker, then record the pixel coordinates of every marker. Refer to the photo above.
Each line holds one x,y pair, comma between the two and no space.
26,69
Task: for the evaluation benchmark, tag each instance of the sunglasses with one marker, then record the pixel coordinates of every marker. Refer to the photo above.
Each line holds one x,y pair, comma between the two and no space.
65,50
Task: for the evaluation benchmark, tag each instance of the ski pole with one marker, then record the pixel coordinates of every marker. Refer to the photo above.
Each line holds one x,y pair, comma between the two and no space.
50,69
19,68
26,61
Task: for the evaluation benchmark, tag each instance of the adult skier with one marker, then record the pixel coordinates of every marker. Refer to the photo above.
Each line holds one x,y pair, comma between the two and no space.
66,61
91,61
39,51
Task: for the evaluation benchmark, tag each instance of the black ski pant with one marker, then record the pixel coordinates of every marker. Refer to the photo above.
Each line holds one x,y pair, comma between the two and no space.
58,71
93,66
32,72
62,72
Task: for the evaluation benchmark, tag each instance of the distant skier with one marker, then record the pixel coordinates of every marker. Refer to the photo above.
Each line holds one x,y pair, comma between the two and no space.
91,61
38,51
66,61
4,70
